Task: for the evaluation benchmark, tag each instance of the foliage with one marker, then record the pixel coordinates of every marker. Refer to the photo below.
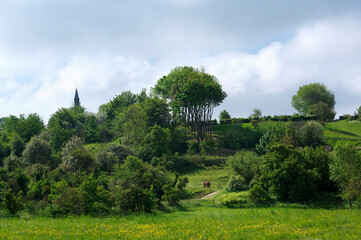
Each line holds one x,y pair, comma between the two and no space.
312,134
272,132
193,94
319,158
155,143
133,123
232,200
175,191
65,123
345,170
258,195
11,202
245,164
236,184
178,139
136,185
37,151
157,111
257,114
240,137
91,129
121,102
323,112
224,115
12,162
311,94
24,126
17,145
286,174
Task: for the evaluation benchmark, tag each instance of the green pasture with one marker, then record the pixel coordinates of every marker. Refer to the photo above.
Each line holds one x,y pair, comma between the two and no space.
344,129
198,222
218,178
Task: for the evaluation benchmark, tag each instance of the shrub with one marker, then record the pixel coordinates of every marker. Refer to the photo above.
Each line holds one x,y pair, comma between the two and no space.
258,195
286,174
193,147
232,200
208,146
236,184
312,134
245,164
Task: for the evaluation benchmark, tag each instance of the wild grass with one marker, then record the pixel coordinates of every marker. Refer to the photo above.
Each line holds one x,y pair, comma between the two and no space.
344,129
195,223
349,131
216,176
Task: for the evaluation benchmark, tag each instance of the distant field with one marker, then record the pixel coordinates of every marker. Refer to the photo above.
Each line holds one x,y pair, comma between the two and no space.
216,176
344,131
195,223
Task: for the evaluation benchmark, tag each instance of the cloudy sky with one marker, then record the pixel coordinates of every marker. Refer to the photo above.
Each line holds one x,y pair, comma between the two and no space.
260,51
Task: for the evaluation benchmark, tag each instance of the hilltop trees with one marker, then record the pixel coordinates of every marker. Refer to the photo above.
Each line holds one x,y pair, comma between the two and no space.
315,99
193,94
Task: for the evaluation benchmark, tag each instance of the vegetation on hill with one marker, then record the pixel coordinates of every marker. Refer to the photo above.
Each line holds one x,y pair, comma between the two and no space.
141,151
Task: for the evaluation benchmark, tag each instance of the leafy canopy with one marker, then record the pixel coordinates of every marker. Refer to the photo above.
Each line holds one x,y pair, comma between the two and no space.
311,94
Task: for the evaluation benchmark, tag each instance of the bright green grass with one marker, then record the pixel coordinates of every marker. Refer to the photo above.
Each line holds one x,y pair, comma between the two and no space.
217,176
347,131
344,129
196,223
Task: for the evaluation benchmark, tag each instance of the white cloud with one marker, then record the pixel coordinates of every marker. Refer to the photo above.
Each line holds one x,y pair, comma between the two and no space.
325,50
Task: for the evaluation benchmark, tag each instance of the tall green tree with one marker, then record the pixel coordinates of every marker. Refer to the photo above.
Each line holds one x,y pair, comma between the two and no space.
157,111
315,99
65,123
24,126
193,94
224,115
133,124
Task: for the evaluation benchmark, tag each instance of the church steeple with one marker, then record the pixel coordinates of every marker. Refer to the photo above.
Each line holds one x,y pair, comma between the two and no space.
76,98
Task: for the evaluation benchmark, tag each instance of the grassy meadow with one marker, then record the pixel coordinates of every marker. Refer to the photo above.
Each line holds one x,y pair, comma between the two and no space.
198,222
205,219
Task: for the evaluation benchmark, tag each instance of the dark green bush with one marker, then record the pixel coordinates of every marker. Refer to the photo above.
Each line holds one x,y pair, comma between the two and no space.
258,195
236,184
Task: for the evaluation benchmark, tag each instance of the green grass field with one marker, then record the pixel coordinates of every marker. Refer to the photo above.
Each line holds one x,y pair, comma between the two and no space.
195,223
216,176
344,129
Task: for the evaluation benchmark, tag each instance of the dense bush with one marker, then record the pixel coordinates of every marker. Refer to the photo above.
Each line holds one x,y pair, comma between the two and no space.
241,138
312,134
245,164
258,195
286,174
232,200
236,184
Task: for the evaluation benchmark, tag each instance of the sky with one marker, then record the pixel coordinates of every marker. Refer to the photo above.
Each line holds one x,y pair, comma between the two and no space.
260,51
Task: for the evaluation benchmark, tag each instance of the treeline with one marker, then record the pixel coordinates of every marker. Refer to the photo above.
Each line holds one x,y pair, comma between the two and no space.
276,118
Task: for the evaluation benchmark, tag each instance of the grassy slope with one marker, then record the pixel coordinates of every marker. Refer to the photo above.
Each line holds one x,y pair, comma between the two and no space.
344,131
217,176
199,222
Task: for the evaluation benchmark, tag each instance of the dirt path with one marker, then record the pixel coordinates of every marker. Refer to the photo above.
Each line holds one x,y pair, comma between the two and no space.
209,195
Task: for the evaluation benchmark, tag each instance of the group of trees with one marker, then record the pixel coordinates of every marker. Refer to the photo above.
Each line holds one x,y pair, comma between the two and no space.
117,160
125,157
